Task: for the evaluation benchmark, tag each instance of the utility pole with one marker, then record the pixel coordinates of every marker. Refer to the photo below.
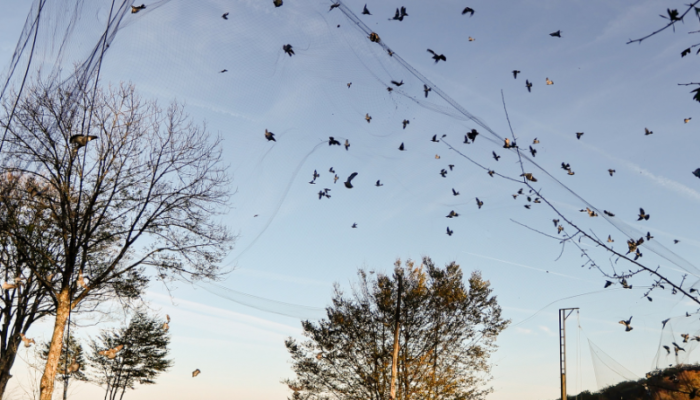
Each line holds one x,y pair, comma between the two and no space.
395,359
563,315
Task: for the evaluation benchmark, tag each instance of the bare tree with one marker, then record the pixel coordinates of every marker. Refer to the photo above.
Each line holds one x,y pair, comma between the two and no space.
128,186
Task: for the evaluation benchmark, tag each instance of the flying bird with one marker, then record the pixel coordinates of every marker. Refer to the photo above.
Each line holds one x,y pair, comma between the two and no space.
354,225
225,16
697,172
349,84
135,9
398,16
529,177
578,135
335,178
405,122
347,144
471,39
668,349
196,372
676,347
397,83
491,172
454,192
27,341
495,156
334,5
607,284
434,139
627,324
611,172
610,239
649,237
676,241
452,214
556,34
663,323
549,82
426,89
437,156
111,353
685,52
332,141
449,232
348,182
565,166
647,131
368,118
223,70
451,166
528,85
642,215
166,325
515,74
277,3
479,203
472,134
269,136
288,49
437,57
687,120
81,140
468,10
365,11
535,141
556,222
378,183
401,147
533,151
443,172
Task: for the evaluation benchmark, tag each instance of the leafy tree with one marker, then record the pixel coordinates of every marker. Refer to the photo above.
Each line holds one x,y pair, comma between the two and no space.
141,358
126,186
447,333
71,363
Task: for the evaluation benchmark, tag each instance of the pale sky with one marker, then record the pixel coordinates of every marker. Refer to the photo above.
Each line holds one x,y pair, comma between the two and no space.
298,245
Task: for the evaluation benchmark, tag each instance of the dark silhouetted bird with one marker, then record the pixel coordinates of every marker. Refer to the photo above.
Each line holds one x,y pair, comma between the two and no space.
347,144
397,83
434,139
368,118
426,89
437,57
533,151
578,135
331,170
515,74
277,3
225,16
495,156
685,337
365,11
454,192
378,183
607,284
472,134
611,172
649,237
556,222
269,136
528,85
663,323
676,347
81,140
374,38
135,9
401,147
610,239
335,178
348,183
556,34
565,166
335,5
223,70
288,49
647,131
398,16
451,166
668,349
627,324
468,10
405,122
642,215
389,89
676,241
491,172
449,232
443,172
349,84
479,203
527,206
452,214
332,141
697,172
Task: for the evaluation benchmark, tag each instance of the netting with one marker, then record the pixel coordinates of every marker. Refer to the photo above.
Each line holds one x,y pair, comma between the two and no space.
407,127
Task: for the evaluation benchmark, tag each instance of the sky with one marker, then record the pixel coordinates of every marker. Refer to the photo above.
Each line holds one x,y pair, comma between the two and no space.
298,246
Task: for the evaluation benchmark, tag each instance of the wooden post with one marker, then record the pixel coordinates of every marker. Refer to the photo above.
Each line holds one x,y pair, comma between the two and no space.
395,359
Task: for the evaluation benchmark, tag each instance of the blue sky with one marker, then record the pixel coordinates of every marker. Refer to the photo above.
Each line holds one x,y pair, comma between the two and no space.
297,246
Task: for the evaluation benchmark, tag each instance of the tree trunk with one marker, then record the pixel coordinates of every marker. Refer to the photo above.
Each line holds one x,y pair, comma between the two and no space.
56,346
6,365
